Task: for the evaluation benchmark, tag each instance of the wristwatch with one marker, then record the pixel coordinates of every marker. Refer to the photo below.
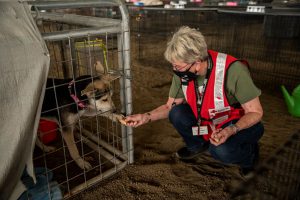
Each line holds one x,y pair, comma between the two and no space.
149,114
235,128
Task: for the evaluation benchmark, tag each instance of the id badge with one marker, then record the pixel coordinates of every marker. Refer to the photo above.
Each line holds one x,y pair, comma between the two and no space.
202,130
195,130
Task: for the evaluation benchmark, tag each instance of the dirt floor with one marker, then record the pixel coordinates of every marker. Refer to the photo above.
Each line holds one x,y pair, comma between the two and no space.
157,174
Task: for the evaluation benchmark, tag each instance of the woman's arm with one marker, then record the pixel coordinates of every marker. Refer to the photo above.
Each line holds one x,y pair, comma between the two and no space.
253,115
160,112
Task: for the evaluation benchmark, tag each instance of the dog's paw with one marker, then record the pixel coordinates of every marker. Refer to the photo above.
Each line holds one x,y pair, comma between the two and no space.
83,164
119,116
121,119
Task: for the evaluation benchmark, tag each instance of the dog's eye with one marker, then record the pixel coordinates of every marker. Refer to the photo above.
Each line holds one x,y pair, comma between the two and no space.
98,93
104,99
101,92
97,97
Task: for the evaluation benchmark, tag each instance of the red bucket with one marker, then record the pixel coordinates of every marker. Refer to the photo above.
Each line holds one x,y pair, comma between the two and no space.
47,131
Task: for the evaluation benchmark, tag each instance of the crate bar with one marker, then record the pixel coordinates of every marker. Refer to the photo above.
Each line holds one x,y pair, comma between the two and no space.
96,179
73,4
126,79
102,152
54,36
123,32
103,143
122,90
177,9
78,19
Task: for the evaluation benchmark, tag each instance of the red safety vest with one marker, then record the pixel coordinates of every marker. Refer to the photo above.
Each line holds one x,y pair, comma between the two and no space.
215,109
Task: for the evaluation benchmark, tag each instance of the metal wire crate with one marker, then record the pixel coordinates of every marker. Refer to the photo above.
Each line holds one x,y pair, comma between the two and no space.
278,178
261,39
77,38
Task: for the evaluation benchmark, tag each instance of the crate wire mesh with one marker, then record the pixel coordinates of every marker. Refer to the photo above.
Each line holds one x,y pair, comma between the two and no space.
78,41
84,48
278,178
274,57
272,51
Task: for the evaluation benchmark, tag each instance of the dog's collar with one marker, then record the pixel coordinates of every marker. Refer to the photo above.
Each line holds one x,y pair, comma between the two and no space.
74,97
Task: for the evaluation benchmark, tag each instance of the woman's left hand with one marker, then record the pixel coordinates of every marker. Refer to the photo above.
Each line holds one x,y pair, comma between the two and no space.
219,136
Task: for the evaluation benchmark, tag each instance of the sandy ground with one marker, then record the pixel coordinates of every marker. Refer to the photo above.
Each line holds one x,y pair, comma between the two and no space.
157,174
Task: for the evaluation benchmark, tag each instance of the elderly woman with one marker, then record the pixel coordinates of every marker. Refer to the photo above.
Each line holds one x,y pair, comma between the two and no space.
213,103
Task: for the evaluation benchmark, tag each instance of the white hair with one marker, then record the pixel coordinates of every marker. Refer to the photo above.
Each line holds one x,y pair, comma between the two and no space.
187,45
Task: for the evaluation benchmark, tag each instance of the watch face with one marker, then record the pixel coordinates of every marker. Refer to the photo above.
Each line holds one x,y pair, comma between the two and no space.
235,128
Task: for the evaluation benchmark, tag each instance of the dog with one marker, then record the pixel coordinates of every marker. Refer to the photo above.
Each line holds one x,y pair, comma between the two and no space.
66,100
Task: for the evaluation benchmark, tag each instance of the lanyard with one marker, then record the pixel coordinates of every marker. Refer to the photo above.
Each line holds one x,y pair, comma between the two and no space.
201,96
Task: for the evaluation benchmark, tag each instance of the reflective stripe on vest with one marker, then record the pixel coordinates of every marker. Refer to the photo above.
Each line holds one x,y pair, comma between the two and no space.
219,86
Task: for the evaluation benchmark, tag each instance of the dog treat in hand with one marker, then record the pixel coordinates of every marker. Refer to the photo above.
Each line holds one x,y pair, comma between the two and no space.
122,121
216,139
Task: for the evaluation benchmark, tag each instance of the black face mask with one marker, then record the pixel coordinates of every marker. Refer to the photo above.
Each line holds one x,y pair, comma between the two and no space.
186,75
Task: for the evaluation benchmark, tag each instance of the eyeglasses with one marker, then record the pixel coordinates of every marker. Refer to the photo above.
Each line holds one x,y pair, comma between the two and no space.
179,69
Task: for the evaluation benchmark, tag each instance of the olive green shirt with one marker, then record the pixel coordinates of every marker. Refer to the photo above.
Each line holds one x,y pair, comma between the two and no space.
239,85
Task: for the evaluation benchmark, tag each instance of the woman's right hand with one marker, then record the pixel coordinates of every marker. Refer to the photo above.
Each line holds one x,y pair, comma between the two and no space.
137,119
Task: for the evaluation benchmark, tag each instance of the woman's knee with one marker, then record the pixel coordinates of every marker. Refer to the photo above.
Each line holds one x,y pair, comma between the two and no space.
260,129
181,114
175,113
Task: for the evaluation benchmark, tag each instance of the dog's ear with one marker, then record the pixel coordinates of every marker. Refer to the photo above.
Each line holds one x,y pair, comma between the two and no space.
99,67
91,88
110,77
88,89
